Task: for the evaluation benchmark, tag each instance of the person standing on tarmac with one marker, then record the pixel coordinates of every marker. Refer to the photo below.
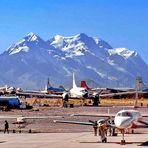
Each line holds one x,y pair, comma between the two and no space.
6,127
102,132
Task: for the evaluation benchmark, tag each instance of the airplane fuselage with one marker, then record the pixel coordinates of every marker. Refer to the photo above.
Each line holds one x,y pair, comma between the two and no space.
127,119
78,92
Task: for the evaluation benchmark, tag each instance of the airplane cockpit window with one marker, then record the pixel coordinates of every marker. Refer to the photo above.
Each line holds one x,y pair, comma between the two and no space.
125,114
119,114
85,90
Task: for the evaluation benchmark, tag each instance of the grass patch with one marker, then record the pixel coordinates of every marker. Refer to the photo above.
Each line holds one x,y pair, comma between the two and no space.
104,101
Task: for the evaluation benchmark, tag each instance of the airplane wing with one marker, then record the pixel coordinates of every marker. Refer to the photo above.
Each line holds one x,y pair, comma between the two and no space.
102,115
95,115
121,93
38,95
99,123
74,122
41,117
143,122
144,115
9,117
142,126
115,94
28,117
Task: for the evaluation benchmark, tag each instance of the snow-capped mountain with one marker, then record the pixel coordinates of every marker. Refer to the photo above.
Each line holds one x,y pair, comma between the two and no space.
29,62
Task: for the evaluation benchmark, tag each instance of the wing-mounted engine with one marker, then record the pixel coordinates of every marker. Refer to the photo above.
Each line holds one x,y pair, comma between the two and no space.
96,99
66,96
101,124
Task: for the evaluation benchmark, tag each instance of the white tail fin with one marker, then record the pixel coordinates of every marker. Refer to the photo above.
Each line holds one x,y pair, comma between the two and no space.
74,83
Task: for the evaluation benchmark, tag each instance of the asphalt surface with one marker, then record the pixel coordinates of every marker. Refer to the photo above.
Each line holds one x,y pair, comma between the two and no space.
67,140
46,133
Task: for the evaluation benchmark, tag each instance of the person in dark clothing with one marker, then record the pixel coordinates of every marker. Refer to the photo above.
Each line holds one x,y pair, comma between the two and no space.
6,127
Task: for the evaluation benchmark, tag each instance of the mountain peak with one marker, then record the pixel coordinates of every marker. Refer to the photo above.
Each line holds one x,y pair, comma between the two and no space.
124,52
82,35
30,41
31,34
32,37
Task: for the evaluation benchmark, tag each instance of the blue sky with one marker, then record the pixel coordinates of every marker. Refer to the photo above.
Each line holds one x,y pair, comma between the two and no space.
122,23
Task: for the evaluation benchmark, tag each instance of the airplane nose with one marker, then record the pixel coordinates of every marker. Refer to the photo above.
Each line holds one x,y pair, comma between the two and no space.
124,123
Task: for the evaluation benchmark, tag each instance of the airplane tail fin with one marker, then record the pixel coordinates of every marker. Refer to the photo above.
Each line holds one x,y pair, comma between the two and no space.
139,83
84,85
139,86
74,83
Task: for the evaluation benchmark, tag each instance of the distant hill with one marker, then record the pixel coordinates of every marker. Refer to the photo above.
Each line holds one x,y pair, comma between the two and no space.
29,62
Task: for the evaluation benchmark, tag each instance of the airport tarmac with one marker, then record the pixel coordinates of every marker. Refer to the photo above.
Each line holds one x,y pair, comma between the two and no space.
63,135
67,140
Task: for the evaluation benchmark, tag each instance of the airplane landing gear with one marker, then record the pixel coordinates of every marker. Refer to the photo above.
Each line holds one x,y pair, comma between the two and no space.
95,130
123,140
104,140
96,100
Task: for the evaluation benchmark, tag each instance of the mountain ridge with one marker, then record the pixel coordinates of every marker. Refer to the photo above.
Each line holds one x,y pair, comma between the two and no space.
29,62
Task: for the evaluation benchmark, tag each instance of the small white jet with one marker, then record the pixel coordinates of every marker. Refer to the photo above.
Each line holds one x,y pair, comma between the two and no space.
76,92
124,119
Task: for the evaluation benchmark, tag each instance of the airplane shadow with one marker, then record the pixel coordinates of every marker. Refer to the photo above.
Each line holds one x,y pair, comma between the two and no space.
2,141
111,142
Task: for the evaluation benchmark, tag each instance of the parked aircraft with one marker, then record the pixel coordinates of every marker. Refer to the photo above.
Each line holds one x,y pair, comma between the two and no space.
139,89
100,90
139,86
124,119
75,91
53,90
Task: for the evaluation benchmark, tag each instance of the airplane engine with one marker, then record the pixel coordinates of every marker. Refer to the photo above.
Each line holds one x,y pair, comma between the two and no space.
65,96
96,99
85,95
100,124
96,95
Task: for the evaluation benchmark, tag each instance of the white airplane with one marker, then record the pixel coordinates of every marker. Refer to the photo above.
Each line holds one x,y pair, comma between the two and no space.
76,92
124,119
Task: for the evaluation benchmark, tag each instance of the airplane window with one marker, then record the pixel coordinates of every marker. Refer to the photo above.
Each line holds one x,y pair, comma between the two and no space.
84,90
119,114
126,114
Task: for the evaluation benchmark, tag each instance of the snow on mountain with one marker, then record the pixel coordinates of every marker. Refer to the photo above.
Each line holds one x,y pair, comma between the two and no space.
29,62
72,46
29,42
125,53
